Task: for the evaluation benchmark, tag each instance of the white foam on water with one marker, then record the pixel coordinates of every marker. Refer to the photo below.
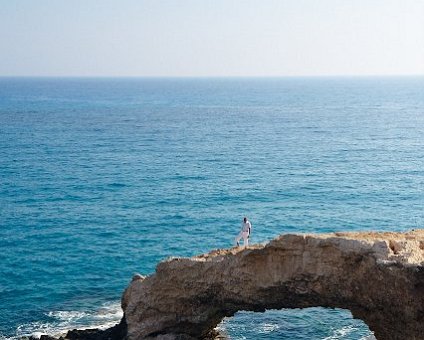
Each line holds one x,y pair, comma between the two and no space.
108,311
108,315
368,337
267,328
67,316
35,329
2,337
341,333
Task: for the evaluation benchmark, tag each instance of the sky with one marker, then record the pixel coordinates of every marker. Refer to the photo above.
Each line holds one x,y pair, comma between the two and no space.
211,38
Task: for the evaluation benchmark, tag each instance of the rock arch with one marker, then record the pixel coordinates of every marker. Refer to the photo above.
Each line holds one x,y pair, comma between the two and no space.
379,277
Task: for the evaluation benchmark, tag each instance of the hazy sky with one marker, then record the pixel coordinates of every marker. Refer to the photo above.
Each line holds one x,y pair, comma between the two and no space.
211,37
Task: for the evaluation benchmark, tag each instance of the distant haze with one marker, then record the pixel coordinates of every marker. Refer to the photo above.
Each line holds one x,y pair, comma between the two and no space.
211,38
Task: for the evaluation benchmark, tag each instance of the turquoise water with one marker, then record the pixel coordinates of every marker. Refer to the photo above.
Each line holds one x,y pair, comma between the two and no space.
101,178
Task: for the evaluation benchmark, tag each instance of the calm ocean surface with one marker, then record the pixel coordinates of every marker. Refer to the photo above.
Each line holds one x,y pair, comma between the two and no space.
102,178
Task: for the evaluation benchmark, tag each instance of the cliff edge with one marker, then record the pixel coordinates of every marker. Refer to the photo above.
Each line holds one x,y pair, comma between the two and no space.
379,277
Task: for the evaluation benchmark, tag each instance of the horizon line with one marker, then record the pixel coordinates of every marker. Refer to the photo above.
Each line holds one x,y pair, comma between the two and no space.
218,76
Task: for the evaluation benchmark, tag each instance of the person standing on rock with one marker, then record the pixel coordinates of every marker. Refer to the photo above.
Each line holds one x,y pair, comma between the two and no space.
246,228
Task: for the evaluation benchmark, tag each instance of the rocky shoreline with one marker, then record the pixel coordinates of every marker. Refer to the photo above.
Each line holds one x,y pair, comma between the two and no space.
117,332
379,277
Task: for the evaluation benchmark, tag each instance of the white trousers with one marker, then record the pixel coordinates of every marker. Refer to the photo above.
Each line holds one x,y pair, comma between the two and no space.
245,236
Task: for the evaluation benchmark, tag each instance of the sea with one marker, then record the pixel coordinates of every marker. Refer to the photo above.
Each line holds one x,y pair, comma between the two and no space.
101,178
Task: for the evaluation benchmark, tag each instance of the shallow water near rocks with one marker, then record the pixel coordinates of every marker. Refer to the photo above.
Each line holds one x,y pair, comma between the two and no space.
102,178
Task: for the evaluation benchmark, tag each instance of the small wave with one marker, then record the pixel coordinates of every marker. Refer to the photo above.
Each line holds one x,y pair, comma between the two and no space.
108,315
341,333
117,185
2,337
266,328
67,316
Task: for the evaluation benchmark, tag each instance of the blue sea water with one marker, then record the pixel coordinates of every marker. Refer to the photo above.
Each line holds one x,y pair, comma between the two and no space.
102,178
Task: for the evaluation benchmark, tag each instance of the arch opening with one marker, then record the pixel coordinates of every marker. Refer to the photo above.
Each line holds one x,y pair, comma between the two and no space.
298,323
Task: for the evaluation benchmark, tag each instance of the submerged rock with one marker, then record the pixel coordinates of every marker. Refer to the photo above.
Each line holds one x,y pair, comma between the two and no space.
379,277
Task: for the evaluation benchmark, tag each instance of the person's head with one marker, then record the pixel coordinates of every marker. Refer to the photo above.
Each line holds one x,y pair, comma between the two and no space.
244,219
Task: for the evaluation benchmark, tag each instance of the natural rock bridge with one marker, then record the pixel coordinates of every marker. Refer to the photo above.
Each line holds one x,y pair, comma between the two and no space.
379,277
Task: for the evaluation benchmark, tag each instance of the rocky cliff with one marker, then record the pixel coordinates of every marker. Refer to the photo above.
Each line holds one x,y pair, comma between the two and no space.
379,277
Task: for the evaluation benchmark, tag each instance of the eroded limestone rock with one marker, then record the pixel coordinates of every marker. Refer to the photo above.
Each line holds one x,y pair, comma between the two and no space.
379,277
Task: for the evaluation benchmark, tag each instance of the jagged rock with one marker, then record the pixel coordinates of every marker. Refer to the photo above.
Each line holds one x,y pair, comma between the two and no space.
379,277
117,332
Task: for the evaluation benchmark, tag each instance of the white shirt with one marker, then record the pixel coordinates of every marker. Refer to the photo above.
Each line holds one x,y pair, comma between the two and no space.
245,226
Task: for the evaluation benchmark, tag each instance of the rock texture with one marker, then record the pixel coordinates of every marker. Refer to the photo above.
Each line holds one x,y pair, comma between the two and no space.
379,277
